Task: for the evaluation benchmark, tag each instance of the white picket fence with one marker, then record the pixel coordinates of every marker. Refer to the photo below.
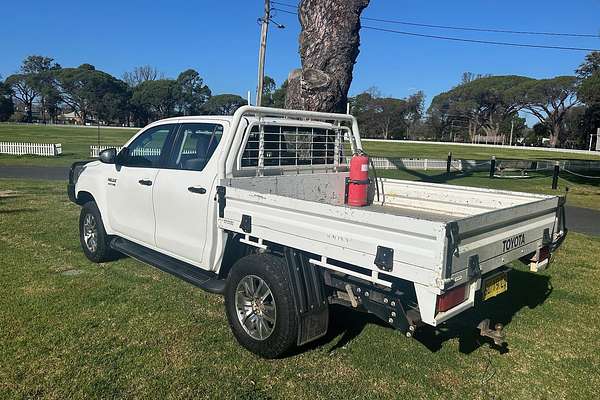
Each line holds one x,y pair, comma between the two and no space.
415,163
37,149
95,149
480,165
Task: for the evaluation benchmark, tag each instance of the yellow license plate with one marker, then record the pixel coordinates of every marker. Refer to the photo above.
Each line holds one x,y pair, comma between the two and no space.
494,286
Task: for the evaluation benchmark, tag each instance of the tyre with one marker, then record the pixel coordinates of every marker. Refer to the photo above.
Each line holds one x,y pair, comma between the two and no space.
260,307
93,237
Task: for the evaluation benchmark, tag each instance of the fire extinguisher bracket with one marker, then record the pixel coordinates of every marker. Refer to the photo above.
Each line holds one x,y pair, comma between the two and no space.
348,181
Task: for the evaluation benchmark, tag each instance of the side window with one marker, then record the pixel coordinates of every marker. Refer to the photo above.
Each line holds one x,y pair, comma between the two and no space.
195,145
146,150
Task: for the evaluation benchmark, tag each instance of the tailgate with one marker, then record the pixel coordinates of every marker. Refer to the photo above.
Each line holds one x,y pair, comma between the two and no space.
481,243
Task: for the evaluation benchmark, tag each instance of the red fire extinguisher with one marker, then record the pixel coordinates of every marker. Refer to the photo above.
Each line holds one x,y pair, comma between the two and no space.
358,181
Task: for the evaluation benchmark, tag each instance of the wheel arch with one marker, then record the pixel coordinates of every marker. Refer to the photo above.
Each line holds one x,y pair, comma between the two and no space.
83,197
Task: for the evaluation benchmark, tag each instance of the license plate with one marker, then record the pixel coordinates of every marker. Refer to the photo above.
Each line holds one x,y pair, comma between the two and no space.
495,286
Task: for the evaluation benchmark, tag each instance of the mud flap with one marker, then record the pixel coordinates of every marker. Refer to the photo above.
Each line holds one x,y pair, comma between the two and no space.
308,290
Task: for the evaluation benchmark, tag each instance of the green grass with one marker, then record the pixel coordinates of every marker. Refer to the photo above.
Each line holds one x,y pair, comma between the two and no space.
438,151
73,329
581,192
75,142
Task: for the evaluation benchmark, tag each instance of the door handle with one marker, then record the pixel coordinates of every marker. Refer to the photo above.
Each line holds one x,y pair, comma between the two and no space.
195,189
145,182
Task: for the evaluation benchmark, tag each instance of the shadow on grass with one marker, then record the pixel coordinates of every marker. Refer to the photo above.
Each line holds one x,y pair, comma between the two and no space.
19,210
526,290
343,321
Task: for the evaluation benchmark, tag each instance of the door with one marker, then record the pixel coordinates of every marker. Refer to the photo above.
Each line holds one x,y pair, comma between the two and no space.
183,194
129,194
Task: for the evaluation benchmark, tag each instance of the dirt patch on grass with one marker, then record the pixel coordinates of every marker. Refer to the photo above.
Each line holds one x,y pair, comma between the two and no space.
8,193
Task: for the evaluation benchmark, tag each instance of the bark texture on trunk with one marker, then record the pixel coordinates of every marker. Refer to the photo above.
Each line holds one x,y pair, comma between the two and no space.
329,44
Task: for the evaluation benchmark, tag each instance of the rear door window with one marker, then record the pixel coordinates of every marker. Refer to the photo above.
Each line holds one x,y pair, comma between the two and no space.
195,145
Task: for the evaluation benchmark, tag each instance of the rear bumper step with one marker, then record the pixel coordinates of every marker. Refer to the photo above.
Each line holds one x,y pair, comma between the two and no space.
205,280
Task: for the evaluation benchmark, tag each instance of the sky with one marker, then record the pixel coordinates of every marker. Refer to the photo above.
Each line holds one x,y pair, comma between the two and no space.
220,40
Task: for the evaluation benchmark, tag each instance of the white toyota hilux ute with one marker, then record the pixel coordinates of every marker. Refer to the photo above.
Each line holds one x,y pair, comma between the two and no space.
253,207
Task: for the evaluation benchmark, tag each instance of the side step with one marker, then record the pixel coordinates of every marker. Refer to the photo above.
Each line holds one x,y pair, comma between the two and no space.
205,280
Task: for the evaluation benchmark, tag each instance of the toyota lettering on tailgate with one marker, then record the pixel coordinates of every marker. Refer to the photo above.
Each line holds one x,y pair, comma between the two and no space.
513,242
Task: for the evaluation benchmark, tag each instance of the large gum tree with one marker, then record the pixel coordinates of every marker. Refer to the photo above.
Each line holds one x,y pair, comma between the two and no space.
329,43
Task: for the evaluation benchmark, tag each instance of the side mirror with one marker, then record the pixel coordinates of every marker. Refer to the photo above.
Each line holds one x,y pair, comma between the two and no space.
108,156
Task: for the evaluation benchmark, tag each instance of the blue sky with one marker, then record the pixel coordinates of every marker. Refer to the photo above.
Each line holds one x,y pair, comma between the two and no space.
220,40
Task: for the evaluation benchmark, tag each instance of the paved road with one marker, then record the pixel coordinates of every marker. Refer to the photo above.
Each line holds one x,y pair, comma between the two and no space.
581,220
43,173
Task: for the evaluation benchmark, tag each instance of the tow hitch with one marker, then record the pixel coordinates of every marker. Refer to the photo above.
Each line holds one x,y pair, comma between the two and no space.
496,334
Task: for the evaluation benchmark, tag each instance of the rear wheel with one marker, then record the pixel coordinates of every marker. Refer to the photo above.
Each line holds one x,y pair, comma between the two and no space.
93,237
260,307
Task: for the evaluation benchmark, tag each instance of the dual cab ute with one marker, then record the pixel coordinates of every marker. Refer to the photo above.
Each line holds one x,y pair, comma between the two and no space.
253,207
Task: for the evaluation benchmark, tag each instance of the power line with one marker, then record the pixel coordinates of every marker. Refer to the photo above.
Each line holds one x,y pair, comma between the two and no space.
536,46
457,39
284,11
460,28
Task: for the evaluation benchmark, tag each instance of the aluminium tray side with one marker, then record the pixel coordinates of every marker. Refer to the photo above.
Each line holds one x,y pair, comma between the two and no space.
342,233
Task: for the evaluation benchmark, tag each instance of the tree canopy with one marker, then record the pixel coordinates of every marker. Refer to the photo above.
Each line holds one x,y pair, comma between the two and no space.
386,117
590,65
90,91
155,99
549,100
193,93
142,74
223,104
589,91
6,104
488,102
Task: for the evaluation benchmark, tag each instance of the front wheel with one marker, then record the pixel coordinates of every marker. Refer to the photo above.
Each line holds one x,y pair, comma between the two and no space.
93,237
260,307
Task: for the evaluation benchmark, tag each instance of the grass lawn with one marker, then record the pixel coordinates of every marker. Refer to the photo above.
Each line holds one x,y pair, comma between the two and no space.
76,142
438,151
73,329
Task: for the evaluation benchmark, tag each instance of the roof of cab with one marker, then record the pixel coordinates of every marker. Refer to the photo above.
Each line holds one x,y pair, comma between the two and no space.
228,118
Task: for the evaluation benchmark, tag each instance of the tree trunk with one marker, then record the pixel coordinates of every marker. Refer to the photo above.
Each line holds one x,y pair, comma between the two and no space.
554,135
329,44
29,107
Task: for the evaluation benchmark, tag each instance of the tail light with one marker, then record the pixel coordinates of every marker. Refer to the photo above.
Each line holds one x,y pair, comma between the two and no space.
451,298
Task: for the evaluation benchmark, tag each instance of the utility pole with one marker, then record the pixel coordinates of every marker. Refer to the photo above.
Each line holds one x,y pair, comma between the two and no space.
512,127
598,139
263,49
